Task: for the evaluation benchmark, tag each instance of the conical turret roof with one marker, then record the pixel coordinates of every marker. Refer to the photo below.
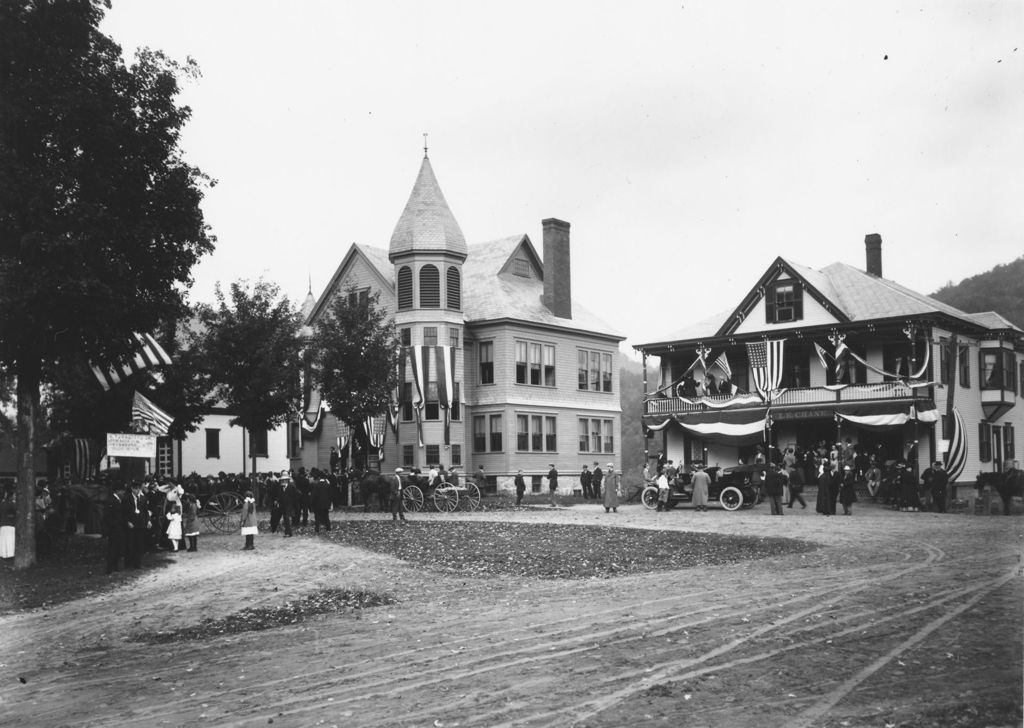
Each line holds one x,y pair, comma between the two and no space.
426,223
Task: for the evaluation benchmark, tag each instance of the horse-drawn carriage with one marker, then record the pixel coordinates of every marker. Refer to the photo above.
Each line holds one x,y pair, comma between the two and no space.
732,487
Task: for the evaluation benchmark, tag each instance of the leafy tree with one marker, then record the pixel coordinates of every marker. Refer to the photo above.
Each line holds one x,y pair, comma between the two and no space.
1000,289
250,347
100,219
353,358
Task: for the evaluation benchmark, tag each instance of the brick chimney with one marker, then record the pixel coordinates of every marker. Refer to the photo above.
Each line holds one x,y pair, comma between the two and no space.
557,273
873,251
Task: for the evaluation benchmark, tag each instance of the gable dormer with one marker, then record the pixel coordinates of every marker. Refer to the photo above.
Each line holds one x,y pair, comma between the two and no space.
523,262
782,299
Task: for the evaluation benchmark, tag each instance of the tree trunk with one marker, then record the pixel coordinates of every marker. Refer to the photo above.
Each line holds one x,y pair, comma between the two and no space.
28,408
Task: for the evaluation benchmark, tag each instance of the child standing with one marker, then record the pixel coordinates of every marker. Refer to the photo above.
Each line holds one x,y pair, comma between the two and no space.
249,528
191,518
174,525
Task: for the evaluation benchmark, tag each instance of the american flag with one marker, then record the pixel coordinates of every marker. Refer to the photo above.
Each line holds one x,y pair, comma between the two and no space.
158,420
765,359
956,457
722,362
146,352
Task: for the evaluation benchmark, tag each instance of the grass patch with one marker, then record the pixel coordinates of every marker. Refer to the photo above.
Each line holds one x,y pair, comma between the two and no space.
548,551
255,619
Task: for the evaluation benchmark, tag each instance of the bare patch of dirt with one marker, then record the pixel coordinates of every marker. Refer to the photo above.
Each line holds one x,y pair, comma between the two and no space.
880,619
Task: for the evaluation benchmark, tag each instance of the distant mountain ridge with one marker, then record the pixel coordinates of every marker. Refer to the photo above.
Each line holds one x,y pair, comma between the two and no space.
1000,289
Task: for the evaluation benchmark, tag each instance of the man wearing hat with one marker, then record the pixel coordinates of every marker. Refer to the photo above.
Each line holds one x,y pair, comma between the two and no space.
611,489
397,506
908,488
553,483
596,478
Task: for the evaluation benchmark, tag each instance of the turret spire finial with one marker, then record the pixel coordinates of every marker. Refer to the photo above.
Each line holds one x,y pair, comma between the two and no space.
425,145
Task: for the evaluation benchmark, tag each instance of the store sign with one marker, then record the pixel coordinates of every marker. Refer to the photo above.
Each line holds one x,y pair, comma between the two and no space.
121,445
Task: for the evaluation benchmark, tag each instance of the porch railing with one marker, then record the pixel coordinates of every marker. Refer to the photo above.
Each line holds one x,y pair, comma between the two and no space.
794,397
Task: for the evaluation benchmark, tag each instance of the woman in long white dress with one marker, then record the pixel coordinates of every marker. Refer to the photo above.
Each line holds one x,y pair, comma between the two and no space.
8,517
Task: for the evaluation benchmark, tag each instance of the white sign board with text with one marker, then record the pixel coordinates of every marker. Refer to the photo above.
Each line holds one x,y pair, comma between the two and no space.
121,445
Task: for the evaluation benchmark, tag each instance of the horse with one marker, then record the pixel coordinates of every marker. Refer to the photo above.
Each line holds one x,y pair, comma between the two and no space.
371,483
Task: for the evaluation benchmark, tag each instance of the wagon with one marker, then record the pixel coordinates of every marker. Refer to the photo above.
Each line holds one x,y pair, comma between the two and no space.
732,487
445,496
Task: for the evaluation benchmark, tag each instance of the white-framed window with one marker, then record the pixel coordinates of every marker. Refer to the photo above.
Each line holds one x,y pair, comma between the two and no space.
594,370
486,351
536,432
487,433
596,435
535,363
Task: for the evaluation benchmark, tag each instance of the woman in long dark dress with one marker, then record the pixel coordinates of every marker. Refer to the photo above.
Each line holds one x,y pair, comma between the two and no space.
825,504
848,490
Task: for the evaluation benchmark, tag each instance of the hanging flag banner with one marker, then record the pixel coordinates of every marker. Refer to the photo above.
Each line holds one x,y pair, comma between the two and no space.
419,361
722,364
444,363
766,366
956,458
144,352
120,445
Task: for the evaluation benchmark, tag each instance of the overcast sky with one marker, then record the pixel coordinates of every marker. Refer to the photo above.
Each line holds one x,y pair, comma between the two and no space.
688,143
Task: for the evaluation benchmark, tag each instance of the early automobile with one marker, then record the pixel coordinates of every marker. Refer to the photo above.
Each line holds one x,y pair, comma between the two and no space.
732,487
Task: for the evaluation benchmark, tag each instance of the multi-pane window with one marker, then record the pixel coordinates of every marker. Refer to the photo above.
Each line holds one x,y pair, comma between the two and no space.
1008,443
964,362
535,363
431,405
596,435
294,439
487,432
456,454
430,287
433,454
480,433
486,362
521,267
536,433
430,336
496,431
358,298
997,369
594,369
408,455
584,431
783,302
258,442
453,337
984,442
456,413
943,361
212,443
406,336
404,287
454,288
406,401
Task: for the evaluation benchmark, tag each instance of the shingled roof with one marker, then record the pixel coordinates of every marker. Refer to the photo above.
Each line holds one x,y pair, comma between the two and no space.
859,295
427,224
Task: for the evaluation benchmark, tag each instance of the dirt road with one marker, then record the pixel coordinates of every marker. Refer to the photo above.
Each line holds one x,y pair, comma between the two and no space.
896,620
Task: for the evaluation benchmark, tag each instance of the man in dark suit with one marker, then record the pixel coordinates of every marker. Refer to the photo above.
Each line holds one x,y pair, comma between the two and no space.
321,498
135,515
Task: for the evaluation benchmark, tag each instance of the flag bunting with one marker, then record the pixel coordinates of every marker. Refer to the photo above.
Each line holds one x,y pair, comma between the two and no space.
145,353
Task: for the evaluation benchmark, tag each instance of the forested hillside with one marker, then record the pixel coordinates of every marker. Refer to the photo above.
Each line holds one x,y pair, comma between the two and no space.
1000,289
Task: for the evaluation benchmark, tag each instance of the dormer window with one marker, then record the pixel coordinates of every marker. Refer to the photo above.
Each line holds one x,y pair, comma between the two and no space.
783,302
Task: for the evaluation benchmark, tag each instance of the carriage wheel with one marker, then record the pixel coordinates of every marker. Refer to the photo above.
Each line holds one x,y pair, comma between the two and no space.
731,498
649,497
412,498
224,512
446,498
470,499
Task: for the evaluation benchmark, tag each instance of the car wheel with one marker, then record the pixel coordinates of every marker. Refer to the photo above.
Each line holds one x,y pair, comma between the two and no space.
649,497
731,498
